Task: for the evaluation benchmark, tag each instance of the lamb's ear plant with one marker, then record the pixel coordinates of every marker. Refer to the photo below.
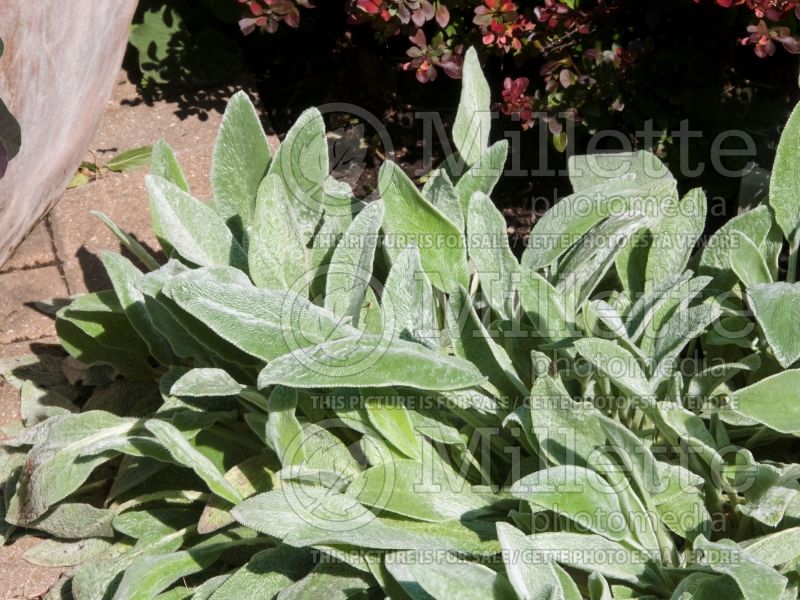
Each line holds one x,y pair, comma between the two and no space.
318,397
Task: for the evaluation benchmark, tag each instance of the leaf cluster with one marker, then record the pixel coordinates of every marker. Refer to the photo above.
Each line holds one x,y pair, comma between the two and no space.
318,397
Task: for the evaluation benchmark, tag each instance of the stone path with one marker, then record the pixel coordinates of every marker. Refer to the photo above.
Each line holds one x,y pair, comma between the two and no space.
59,258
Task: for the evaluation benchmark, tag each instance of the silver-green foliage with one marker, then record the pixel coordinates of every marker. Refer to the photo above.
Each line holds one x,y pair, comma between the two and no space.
305,401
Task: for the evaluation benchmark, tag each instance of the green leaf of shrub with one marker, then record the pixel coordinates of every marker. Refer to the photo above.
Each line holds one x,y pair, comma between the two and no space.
326,517
302,164
784,186
129,160
390,417
55,553
616,363
715,261
776,548
474,343
266,574
369,362
546,308
563,427
74,337
124,278
249,477
461,579
483,175
474,117
408,306
204,382
575,492
164,164
412,220
571,218
329,580
194,229
37,404
530,579
241,157
276,255
747,261
283,429
183,452
74,447
776,307
766,402
582,268
350,269
675,236
264,323
149,575
639,168
133,246
441,192
589,553
426,489
754,578
487,242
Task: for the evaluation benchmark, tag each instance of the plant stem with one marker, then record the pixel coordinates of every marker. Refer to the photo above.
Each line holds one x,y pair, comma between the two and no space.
794,246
